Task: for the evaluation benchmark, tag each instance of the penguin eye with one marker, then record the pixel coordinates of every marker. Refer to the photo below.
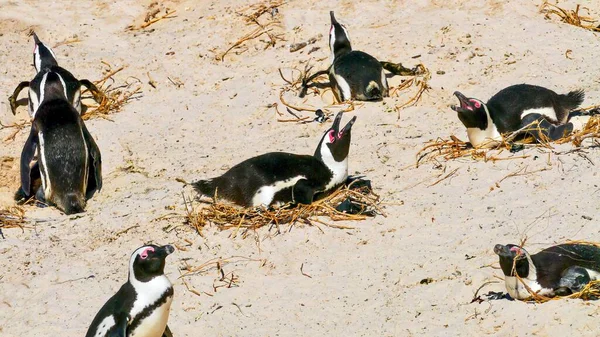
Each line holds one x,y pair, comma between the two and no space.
477,104
144,254
331,136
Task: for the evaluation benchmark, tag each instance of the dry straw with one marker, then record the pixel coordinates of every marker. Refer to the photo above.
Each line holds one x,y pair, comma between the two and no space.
225,215
571,17
12,217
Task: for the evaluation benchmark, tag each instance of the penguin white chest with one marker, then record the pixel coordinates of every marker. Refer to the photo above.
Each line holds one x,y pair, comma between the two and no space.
154,325
517,290
484,138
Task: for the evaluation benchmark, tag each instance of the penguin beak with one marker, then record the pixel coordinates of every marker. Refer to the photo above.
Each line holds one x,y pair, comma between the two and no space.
166,250
36,40
502,250
464,106
333,20
336,126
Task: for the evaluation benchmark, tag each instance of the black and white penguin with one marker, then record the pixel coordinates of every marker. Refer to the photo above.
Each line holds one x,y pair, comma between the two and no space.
68,160
280,178
44,60
556,271
353,74
141,307
527,109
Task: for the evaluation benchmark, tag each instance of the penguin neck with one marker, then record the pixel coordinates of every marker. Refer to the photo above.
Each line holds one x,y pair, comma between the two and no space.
340,51
338,169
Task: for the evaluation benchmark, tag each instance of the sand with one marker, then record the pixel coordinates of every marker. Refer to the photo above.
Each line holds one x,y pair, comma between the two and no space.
366,281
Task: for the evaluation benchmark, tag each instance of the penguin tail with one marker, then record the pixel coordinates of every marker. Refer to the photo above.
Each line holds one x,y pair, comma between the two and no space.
206,187
572,100
72,203
373,91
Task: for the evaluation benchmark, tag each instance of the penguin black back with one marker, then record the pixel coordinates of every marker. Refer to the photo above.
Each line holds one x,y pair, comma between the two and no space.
279,177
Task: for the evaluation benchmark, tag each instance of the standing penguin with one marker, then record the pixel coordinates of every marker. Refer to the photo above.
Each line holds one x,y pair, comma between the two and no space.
69,162
44,60
527,109
280,177
556,271
141,307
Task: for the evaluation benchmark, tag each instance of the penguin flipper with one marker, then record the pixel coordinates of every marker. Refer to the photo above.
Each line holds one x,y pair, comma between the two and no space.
120,327
537,126
12,99
303,192
574,278
27,157
94,170
97,94
167,332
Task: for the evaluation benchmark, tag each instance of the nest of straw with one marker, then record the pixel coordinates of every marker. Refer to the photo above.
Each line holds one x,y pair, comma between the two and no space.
114,97
12,217
225,215
572,17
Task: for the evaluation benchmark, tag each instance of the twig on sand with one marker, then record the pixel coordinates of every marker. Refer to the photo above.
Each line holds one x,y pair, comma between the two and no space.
571,17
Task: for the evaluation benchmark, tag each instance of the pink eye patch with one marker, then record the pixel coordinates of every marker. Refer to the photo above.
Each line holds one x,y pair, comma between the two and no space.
144,254
516,250
331,136
477,104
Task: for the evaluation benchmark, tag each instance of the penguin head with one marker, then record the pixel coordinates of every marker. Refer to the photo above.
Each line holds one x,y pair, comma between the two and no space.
148,262
43,56
335,143
339,40
513,256
471,111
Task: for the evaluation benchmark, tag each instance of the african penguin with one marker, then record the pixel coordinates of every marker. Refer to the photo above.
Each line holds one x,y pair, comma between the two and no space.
353,74
526,109
44,60
141,306
68,160
280,178
556,271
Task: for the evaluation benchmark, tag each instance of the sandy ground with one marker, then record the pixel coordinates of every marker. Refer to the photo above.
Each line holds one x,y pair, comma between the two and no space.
364,281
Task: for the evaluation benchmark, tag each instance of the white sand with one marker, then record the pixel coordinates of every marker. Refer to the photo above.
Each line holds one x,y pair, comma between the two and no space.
365,281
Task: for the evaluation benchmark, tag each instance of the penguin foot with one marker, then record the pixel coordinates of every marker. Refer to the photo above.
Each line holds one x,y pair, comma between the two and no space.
20,196
562,291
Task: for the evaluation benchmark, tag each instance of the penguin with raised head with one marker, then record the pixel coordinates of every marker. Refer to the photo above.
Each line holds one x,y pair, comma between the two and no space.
281,178
555,271
141,306
60,151
526,109
353,74
44,60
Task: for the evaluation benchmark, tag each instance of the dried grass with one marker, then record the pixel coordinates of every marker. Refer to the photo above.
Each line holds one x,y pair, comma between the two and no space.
113,98
225,215
252,17
571,17
419,79
153,14
12,217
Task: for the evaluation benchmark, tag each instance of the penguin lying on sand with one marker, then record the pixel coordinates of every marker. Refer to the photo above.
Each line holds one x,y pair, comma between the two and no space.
353,74
280,177
556,271
68,160
531,110
141,307
45,60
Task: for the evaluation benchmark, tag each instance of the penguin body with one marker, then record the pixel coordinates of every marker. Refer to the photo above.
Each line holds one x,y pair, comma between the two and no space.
555,271
44,60
141,306
527,109
61,152
279,178
353,74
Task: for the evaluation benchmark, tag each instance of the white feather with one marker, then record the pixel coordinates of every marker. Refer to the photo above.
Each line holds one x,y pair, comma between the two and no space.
550,113
484,138
46,183
338,168
265,194
107,323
